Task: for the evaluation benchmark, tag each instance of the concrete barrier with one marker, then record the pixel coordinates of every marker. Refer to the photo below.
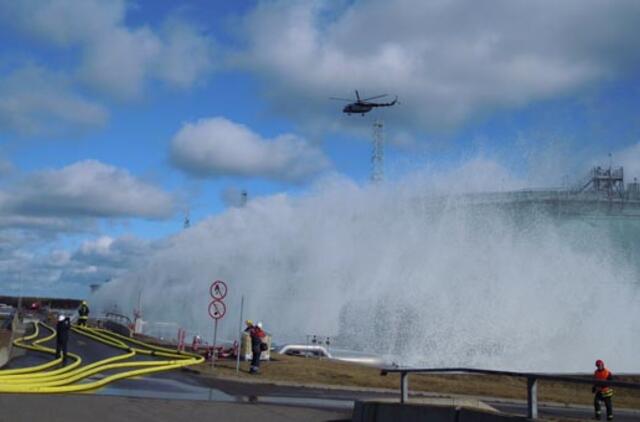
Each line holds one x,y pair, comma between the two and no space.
384,411
6,350
376,411
5,353
471,415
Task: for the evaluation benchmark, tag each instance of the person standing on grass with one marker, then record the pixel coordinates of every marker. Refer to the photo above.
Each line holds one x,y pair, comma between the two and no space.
602,392
257,339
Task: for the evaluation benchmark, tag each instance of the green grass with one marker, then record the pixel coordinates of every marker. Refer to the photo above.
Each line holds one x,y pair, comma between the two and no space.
300,370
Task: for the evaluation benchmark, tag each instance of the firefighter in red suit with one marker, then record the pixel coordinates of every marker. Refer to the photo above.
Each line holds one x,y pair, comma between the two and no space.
603,393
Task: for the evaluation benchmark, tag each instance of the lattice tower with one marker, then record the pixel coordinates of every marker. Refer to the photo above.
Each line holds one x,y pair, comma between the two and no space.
377,153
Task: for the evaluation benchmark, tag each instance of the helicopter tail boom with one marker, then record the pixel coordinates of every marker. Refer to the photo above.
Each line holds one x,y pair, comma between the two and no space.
392,103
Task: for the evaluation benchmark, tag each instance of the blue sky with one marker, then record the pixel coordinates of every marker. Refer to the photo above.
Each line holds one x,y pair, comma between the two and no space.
118,116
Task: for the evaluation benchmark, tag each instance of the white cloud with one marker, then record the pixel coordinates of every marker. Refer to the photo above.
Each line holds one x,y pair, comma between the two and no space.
65,22
86,189
43,225
231,196
34,101
186,55
219,147
117,63
117,59
6,167
60,271
447,60
99,246
116,253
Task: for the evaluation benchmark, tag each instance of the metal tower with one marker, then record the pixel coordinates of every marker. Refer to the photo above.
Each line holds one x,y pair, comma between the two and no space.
608,181
377,153
187,220
243,198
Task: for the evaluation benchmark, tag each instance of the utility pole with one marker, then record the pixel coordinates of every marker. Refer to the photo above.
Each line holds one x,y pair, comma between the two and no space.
19,310
377,153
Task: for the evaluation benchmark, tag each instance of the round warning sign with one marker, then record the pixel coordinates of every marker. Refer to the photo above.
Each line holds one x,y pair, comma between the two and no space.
217,309
218,289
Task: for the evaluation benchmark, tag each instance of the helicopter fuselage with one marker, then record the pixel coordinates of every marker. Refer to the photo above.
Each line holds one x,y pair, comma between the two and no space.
363,106
357,108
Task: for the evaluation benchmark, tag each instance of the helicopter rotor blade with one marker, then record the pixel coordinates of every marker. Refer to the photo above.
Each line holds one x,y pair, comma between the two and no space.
373,98
341,99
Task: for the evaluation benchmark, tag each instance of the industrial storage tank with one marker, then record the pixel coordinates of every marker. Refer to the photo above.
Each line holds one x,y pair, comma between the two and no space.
633,190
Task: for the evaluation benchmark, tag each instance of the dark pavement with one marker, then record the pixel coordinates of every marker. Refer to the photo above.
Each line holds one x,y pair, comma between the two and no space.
70,408
208,397
89,350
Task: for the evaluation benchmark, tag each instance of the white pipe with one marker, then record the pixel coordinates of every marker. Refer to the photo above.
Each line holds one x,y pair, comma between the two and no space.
304,348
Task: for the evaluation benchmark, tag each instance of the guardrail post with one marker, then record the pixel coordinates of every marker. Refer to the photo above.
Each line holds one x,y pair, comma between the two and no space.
532,398
404,387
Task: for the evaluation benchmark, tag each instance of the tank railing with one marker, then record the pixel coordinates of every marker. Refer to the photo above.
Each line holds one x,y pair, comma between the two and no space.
532,381
113,316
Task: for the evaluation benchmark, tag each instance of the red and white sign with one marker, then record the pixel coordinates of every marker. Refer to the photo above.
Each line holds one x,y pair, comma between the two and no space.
218,289
217,309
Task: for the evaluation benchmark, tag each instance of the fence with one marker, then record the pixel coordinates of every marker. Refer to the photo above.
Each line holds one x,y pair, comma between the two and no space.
532,381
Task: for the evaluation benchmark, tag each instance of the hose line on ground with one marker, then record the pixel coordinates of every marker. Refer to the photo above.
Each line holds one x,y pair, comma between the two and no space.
74,378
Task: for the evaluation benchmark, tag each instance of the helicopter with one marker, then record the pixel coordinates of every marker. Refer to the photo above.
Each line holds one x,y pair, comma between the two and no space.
363,106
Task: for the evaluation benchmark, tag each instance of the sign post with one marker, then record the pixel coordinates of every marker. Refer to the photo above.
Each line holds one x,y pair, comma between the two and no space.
240,335
217,310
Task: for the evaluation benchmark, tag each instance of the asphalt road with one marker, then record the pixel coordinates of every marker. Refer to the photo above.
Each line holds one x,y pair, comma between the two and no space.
90,351
159,397
70,408
209,397
584,413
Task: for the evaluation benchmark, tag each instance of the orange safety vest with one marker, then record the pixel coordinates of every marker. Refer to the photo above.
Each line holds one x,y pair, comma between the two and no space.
603,376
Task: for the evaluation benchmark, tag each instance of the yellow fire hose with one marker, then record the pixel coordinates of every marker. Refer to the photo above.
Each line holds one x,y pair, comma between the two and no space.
19,343
68,379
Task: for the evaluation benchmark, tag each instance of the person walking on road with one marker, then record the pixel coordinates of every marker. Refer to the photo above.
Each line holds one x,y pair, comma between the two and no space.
83,314
602,392
62,338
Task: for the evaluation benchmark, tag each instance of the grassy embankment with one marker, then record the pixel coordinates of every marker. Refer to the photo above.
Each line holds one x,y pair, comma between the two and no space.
301,370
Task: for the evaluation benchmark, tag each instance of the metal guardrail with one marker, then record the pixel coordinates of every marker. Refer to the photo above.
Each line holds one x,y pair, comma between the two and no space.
113,316
532,381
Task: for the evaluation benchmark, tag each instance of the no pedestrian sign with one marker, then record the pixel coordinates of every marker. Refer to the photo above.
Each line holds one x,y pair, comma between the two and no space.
217,309
218,290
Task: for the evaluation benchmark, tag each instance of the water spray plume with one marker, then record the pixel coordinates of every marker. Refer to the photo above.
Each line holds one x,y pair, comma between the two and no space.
408,272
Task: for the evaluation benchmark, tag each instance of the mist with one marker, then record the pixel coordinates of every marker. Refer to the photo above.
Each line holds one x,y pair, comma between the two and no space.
412,270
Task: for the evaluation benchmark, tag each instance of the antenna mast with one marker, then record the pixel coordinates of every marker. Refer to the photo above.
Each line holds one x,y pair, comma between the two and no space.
377,153
243,198
187,220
